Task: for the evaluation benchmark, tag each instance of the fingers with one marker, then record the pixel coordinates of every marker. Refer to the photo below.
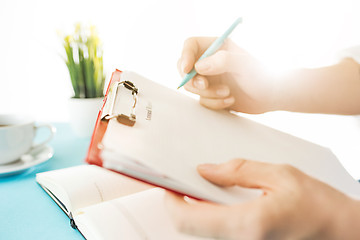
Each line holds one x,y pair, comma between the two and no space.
213,96
201,218
220,62
198,82
192,50
250,174
217,104
199,85
188,55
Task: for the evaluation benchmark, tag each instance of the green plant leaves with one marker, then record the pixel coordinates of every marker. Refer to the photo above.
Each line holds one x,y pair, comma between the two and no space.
84,61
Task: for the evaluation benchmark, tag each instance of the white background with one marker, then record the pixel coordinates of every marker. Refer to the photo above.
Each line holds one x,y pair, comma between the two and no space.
147,37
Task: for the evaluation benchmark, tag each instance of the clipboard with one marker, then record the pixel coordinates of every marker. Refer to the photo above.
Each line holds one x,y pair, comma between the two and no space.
93,154
146,146
107,113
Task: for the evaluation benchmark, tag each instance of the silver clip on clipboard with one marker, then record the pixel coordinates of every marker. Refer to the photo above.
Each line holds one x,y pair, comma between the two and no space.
128,120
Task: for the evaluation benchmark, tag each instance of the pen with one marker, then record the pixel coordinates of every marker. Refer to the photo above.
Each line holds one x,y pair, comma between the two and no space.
211,50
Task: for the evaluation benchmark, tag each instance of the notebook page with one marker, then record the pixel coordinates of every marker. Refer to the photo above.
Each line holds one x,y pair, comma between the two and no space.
85,185
141,216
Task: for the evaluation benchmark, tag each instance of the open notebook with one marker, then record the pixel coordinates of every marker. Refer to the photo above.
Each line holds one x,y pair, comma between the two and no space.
104,205
172,134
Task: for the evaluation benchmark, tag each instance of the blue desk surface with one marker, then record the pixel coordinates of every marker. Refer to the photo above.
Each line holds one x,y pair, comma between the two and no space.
26,211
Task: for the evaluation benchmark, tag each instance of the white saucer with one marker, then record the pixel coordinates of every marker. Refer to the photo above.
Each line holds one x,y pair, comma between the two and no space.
32,158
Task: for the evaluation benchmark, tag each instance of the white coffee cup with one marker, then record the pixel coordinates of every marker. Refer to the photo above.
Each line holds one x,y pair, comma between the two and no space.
17,133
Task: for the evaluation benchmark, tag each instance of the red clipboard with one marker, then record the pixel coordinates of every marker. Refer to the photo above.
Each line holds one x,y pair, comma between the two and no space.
94,151
93,154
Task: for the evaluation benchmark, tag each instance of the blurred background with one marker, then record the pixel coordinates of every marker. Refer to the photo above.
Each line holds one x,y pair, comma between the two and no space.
146,36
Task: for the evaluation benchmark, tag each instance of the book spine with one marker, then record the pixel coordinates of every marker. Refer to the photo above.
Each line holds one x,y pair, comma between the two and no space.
72,222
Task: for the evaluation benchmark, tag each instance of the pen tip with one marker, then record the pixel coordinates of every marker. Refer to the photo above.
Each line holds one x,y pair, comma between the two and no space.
178,88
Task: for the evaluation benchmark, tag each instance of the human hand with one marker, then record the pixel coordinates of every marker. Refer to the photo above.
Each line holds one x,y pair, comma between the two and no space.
229,79
293,206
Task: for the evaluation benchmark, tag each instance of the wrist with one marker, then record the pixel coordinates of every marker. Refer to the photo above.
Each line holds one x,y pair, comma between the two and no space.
280,97
277,97
288,90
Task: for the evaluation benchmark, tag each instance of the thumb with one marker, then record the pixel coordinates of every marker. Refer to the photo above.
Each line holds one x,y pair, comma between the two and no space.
244,173
220,62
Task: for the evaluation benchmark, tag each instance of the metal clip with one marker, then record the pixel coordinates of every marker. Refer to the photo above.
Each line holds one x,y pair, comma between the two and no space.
123,118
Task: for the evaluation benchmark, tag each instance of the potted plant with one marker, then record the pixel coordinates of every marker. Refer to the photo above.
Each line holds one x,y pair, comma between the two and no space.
84,60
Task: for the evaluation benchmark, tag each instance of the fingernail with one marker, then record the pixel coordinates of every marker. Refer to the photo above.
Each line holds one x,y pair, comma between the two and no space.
229,100
199,83
223,92
203,65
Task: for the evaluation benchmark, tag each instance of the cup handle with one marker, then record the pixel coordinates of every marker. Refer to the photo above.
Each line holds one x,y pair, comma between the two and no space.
52,133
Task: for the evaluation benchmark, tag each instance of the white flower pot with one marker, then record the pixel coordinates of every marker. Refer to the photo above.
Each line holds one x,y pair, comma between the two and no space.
83,113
